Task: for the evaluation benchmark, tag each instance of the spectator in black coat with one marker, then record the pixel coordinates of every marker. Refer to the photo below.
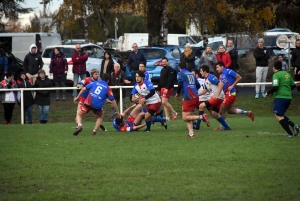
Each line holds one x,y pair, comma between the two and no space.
32,63
233,52
134,59
188,57
28,100
295,61
107,64
42,98
118,78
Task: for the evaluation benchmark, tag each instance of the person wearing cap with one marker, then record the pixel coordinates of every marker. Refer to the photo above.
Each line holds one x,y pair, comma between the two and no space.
283,84
208,58
188,57
24,82
42,98
32,63
262,56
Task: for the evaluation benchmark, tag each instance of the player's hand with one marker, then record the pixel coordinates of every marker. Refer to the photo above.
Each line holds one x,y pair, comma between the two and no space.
215,97
142,101
229,88
108,101
76,100
177,95
165,91
135,100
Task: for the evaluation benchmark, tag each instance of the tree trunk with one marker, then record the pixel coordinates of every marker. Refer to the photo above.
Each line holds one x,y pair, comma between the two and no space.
154,21
103,17
165,30
85,22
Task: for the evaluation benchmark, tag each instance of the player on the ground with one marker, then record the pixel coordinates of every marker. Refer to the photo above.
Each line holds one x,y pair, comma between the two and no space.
147,95
132,122
283,84
189,84
230,78
83,83
99,91
202,98
215,87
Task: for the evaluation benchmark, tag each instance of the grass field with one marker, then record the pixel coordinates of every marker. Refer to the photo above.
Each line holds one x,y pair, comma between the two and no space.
254,161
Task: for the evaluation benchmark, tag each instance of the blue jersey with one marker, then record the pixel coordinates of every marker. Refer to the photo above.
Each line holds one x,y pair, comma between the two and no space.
188,81
147,76
127,127
228,78
85,82
99,91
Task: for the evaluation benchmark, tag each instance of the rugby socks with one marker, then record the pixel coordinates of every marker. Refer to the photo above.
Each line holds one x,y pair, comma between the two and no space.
148,125
285,126
239,111
223,122
289,121
198,122
155,119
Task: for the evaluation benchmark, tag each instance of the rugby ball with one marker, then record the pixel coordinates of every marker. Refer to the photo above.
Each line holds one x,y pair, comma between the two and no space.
137,95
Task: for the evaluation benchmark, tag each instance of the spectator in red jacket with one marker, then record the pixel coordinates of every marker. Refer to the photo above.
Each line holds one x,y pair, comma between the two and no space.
223,56
79,66
59,68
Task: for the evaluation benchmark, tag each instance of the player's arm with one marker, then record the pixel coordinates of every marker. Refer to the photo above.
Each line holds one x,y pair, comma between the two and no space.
180,83
204,91
132,97
135,128
81,92
220,88
237,79
275,87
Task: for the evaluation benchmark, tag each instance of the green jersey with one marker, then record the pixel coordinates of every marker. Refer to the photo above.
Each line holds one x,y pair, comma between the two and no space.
284,81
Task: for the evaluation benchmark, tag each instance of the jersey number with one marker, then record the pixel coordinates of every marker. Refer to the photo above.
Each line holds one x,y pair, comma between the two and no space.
191,79
98,90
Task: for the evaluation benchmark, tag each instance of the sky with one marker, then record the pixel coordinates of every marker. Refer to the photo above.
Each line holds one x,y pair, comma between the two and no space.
37,7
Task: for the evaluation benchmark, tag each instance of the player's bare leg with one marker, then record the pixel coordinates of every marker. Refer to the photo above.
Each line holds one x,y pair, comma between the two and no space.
79,122
168,108
139,118
98,122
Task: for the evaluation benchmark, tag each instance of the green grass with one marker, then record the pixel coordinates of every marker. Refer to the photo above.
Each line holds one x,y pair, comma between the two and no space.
254,161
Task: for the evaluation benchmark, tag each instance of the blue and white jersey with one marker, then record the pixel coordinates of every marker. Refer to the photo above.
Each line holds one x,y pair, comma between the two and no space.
228,78
144,90
188,81
147,76
205,96
211,84
99,91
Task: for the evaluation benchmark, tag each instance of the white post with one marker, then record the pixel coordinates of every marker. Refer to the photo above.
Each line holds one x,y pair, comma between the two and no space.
22,106
121,100
289,50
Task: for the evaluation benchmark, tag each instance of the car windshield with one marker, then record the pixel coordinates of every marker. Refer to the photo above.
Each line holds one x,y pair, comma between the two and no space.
66,51
153,53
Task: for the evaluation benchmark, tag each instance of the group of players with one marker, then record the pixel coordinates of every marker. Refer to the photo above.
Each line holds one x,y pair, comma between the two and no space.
200,90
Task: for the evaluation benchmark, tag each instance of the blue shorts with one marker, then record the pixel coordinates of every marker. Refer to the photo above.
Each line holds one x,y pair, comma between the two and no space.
281,105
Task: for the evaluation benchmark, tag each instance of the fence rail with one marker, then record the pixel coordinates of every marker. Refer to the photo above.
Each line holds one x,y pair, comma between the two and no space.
21,90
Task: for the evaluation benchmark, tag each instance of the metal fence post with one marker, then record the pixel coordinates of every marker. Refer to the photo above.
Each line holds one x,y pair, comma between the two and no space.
121,99
22,106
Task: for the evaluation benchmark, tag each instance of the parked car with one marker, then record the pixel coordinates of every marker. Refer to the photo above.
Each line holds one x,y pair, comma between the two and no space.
154,56
15,64
95,56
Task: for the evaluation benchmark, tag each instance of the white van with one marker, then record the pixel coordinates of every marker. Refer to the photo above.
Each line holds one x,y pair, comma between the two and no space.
141,39
19,43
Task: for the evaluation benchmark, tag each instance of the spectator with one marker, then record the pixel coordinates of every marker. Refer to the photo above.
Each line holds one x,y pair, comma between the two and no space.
188,57
27,98
8,98
285,66
208,58
107,64
223,56
3,64
42,98
261,55
32,63
59,68
233,52
118,78
135,57
79,59
165,88
295,61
